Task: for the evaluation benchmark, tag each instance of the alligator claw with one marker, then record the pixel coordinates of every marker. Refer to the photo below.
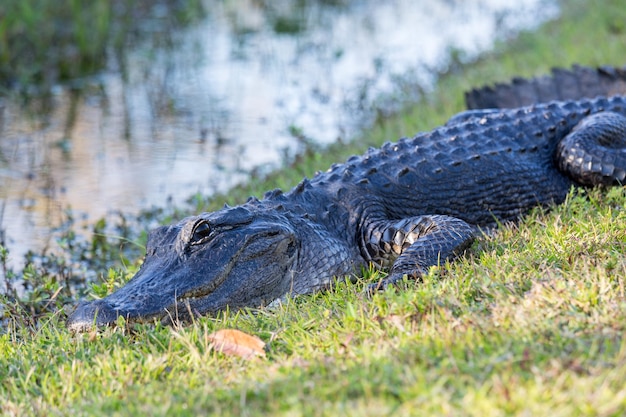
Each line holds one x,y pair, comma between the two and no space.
383,284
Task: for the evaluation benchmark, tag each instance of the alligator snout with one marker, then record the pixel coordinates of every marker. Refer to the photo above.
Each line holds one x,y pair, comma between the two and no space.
91,314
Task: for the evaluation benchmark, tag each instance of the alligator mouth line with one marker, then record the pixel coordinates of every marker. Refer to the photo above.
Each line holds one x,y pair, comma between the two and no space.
198,294
182,308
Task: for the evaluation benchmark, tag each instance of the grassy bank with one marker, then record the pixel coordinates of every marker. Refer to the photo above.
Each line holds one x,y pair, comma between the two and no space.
530,322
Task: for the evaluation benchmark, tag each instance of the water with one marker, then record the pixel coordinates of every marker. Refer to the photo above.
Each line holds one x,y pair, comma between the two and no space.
237,94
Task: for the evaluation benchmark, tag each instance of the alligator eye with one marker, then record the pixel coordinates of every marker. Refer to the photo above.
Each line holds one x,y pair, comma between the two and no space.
201,231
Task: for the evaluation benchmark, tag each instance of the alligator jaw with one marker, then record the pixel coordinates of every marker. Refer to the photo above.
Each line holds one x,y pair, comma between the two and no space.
100,313
186,275
97,314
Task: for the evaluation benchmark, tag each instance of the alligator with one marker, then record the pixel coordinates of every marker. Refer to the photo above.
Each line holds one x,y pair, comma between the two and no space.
404,207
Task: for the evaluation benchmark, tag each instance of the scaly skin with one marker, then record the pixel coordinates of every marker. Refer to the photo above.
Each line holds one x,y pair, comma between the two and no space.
404,207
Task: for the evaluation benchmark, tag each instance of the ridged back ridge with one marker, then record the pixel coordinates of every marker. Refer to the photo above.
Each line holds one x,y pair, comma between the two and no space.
563,84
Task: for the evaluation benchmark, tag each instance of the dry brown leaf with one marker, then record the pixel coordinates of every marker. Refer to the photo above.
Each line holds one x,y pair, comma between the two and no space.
237,343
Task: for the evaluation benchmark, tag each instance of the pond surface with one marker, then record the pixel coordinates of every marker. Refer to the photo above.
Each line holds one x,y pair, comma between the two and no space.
238,93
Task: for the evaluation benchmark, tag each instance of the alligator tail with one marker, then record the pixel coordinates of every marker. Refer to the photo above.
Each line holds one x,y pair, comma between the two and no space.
563,84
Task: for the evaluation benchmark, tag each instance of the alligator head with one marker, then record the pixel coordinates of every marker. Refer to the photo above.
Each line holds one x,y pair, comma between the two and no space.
234,257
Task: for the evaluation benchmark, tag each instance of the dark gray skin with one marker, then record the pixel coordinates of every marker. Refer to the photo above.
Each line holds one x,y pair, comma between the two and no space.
404,207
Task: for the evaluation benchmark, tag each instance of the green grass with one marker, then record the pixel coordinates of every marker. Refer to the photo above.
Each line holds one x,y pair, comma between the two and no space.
529,322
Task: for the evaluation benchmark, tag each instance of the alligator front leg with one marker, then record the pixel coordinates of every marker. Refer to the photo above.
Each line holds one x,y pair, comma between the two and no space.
411,246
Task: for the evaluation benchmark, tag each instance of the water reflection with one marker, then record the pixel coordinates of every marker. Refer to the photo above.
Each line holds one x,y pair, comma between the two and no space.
227,98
